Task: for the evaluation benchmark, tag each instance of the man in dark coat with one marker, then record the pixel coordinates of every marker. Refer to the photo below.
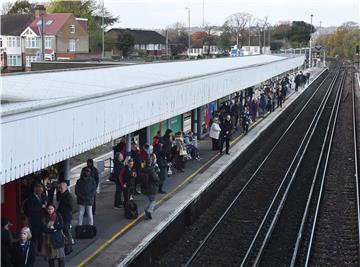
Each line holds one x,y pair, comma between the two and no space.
6,242
65,208
85,190
225,134
150,187
95,175
34,210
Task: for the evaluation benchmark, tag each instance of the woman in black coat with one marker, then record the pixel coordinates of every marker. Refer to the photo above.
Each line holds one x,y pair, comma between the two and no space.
23,251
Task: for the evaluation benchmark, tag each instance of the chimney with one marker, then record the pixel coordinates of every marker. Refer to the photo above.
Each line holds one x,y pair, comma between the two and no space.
39,10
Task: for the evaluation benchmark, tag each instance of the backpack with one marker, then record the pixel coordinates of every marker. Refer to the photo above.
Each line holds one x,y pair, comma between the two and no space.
131,209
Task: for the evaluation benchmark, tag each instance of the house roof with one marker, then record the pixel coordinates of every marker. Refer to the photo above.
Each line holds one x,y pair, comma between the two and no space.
143,36
53,23
83,23
14,25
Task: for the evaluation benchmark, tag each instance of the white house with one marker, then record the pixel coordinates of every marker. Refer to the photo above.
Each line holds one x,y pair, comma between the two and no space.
10,41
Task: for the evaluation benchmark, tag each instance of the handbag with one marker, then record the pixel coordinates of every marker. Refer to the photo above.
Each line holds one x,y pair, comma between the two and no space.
170,171
112,177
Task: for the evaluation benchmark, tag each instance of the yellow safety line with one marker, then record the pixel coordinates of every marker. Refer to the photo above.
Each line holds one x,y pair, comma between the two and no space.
161,200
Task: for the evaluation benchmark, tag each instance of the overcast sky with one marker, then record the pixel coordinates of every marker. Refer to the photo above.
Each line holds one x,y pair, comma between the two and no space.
157,14
153,14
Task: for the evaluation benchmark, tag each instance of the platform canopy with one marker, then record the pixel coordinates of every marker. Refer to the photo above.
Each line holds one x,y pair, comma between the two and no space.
51,116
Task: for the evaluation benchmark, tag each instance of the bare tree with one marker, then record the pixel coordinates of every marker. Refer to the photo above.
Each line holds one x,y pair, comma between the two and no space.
236,23
260,25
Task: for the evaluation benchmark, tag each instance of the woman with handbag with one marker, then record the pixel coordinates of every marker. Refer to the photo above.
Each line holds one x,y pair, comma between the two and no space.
180,153
53,237
23,251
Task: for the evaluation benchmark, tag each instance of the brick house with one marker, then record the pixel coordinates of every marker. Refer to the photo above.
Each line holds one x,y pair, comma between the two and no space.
146,42
64,37
11,54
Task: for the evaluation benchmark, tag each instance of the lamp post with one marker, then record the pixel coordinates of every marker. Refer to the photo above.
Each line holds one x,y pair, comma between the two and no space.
310,56
249,31
189,48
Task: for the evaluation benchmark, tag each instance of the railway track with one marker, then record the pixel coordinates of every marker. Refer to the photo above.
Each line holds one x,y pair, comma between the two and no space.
232,237
256,220
331,224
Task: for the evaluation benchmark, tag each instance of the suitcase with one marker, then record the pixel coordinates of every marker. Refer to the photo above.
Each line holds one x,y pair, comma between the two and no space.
131,210
85,231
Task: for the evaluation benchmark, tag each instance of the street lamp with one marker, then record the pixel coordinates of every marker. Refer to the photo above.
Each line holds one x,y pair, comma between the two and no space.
188,9
310,56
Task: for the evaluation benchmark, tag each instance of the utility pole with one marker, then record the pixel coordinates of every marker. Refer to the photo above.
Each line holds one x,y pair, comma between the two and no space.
269,29
103,31
189,49
249,30
310,56
203,13
42,37
167,43
264,37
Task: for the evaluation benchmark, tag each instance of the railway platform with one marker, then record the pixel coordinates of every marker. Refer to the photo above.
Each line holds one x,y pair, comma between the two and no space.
120,240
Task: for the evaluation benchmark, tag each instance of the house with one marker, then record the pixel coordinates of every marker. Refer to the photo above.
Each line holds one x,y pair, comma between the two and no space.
146,42
202,45
11,57
64,37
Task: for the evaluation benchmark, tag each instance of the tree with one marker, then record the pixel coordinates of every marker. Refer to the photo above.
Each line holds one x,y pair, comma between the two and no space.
342,42
89,9
224,41
178,38
21,7
125,43
300,33
236,25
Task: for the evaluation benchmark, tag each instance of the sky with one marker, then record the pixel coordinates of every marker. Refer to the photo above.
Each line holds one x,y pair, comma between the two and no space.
158,14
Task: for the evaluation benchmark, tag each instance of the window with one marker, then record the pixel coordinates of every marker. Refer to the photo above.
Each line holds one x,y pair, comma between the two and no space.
1,42
72,28
142,47
13,41
14,60
48,42
71,45
136,46
32,42
30,59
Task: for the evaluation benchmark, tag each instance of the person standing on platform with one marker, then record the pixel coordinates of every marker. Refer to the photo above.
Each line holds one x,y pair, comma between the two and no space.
95,176
245,119
118,166
23,252
163,166
53,240
215,134
34,210
85,190
150,188
225,134
128,179
6,242
65,208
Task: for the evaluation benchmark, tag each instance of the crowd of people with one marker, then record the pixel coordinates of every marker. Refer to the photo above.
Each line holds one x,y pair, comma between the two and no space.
142,171
245,108
145,170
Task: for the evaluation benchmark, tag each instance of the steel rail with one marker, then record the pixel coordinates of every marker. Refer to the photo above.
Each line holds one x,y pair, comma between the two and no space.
207,237
297,159
356,160
317,170
318,204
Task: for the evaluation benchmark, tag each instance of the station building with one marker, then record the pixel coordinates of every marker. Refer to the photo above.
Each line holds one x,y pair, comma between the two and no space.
49,117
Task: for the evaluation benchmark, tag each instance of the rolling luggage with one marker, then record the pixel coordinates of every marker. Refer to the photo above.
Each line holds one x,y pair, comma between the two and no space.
85,231
131,210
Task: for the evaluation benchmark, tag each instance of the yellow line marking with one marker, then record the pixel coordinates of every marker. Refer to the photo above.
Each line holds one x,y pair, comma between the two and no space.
159,202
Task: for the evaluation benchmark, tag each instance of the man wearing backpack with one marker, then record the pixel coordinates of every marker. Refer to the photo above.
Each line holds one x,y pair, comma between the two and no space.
150,187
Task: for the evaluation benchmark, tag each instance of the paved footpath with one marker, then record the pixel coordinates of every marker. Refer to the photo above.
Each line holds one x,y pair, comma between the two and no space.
112,224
